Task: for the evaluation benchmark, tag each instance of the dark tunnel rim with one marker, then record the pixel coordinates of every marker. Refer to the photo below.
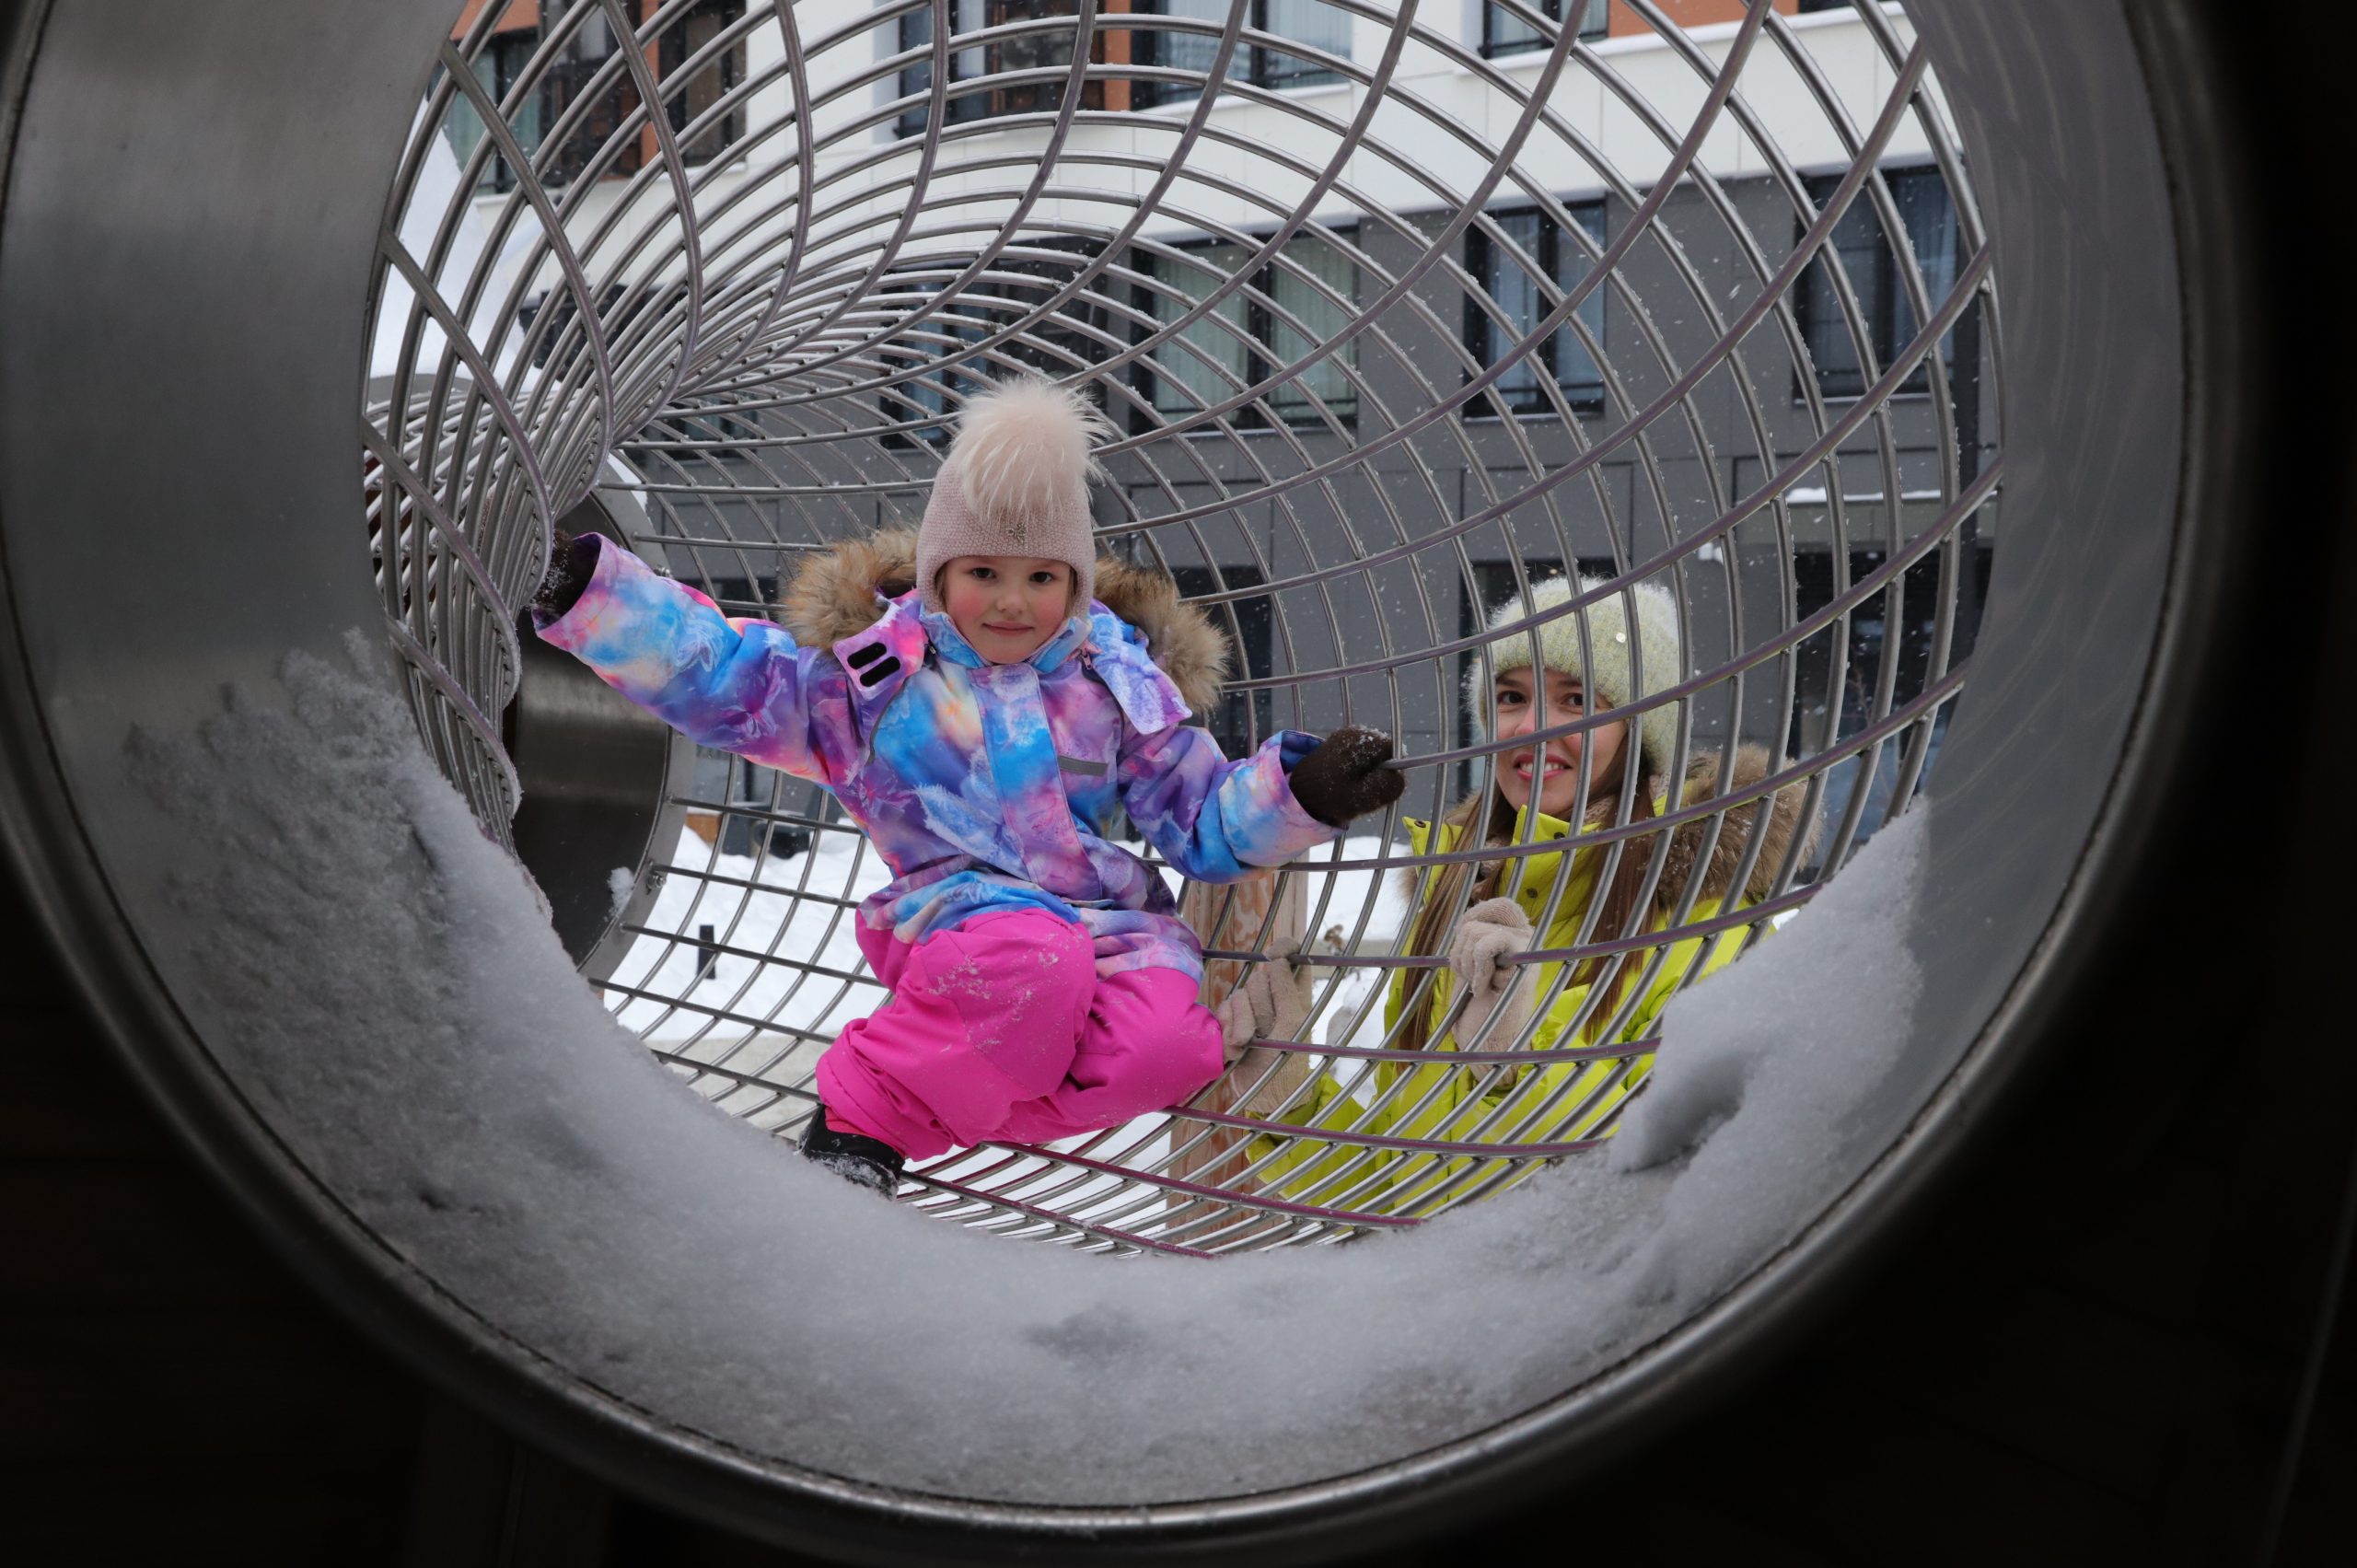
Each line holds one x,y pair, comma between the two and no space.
1600,1420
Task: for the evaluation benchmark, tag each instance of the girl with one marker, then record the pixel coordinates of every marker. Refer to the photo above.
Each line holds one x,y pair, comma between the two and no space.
986,727
1547,793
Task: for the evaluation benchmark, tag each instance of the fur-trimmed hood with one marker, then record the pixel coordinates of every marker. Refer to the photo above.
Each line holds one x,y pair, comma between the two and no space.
1752,763
834,595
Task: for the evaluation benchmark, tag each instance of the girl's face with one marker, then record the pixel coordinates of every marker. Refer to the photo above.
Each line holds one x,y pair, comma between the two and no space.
1006,606
1553,769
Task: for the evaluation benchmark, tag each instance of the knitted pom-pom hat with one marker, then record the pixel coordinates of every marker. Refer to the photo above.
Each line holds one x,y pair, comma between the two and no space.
1016,483
1608,671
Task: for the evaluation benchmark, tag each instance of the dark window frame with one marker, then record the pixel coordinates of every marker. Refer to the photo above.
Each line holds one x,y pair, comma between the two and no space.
732,65
506,52
1240,719
914,30
551,97
1256,65
713,424
1480,262
1869,638
1260,326
973,327
1594,22
1889,319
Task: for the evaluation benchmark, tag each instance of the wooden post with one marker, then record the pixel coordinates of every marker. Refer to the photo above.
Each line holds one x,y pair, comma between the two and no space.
1231,917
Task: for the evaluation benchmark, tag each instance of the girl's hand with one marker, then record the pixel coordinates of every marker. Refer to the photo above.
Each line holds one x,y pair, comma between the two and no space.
1492,933
1345,777
572,563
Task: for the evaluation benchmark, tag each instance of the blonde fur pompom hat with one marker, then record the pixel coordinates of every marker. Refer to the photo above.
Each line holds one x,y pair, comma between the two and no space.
1016,483
1609,671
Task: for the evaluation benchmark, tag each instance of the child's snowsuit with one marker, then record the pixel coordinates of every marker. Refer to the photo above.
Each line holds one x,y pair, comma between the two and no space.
1043,983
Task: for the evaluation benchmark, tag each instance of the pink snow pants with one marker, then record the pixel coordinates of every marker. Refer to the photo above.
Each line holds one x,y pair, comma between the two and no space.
1003,1028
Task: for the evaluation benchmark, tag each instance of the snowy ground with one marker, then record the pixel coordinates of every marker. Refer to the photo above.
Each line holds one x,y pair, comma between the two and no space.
374,977
772,1016
790,919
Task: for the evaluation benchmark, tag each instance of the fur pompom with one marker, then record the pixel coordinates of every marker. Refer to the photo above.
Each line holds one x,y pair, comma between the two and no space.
1023,448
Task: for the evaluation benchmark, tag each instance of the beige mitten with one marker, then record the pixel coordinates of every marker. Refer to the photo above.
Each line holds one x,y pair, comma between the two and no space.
1265,1005
1492,933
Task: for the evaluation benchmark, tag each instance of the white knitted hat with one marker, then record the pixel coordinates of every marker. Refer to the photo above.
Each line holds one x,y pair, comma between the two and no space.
1016,483
1609,670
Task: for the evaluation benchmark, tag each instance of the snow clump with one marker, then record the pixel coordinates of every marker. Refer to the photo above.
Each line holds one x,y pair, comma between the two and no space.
373,973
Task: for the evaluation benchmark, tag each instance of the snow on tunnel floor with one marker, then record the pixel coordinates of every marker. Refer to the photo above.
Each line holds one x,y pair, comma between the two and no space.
374,975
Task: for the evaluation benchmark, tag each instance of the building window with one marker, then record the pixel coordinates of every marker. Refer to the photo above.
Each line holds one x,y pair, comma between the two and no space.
668,435
564,81
1513,287
1073,336
936,393
1307,22
1502,32
1868,259
563,342
1808,5
496,68
713,82
1900,622
1248,336
1240,720
1076,334
1046,50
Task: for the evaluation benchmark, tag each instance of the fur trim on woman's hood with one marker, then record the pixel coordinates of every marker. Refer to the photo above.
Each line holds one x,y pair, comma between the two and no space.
833,596
1752,763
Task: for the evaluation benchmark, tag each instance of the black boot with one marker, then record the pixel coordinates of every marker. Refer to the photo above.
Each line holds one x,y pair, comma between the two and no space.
867,1162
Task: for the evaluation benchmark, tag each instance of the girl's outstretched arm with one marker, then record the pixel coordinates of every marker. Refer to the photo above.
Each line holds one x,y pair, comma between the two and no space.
741,686
1213,819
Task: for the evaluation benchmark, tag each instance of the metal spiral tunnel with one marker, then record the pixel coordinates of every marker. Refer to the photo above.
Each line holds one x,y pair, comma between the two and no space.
718,276
1395,310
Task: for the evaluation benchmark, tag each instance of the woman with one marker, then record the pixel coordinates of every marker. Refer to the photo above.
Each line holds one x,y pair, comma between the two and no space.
1482,917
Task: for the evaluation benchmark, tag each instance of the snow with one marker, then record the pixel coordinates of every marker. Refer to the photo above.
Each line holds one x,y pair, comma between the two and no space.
774,917
1760,1065
620,885
1814,495
372,972
1333,902
769,918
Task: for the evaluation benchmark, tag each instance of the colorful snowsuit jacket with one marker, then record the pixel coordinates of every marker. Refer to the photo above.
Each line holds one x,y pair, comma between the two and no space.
1530,1105
988,788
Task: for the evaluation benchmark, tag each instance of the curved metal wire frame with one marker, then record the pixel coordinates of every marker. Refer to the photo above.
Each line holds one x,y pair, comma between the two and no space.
782,250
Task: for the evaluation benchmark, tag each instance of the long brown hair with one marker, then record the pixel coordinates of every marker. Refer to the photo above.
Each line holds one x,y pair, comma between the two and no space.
1445,891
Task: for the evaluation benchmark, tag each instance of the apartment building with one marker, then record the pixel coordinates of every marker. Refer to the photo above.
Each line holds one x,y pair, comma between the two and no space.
1366,562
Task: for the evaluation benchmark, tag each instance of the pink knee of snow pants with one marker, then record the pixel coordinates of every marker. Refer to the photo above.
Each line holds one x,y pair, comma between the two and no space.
1003,1028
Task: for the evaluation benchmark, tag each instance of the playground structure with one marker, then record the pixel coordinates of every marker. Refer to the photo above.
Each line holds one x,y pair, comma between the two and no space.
1354,305
827,355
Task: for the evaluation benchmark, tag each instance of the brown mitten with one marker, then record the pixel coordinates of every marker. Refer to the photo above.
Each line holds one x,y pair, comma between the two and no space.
1345,777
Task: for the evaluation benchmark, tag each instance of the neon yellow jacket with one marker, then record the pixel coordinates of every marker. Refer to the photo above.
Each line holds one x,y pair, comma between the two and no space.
1509,1104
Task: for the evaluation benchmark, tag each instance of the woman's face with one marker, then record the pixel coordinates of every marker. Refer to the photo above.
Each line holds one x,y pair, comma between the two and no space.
1006,606
1552,770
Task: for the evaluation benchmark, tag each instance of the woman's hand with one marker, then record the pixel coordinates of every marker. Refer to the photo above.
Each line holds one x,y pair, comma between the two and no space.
1345,777
1265,1005
1492,935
